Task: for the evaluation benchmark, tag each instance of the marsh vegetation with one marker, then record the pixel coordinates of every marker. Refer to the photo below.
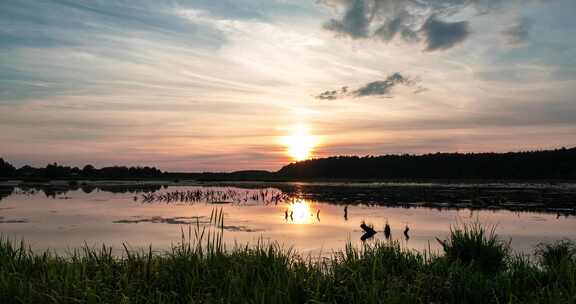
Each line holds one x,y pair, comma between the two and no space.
475,267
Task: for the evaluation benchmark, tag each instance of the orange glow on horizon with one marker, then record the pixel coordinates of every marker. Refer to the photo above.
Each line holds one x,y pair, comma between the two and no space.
300,144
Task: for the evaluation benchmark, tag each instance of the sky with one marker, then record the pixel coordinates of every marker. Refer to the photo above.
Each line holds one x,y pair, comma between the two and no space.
224,85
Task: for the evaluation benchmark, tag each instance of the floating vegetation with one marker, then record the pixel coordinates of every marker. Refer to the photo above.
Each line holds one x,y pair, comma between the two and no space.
12,221
182,220
217,195
178,220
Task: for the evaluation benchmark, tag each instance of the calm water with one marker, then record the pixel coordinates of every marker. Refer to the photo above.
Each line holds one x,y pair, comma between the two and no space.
61,221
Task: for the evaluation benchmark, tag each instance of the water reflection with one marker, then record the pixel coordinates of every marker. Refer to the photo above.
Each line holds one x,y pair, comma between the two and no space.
406,235
6,192
553,198
369,231
250,214
387,231
300,212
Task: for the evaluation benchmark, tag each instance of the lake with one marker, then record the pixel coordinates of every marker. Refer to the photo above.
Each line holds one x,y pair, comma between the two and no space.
308,217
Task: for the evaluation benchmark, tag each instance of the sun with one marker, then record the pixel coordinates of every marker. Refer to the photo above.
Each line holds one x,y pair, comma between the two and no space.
300,144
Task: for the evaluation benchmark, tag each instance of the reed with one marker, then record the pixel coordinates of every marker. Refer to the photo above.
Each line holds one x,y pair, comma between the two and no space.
556,254
476,246
217,195
199,269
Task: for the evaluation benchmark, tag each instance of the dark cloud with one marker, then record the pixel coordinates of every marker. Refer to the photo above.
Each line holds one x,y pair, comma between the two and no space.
355,23
430,21
374,88
382,87
331,95
519,32
442,35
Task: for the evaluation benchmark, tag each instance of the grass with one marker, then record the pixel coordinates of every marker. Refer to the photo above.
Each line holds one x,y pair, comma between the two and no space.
476,246
200,270
557,254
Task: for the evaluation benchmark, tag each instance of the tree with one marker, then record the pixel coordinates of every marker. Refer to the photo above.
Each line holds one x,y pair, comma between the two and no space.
6,169
89,171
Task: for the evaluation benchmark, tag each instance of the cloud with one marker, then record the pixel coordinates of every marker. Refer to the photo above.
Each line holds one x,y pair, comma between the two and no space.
355,22
442,35
382,87
397,27
374,88
428,21
331,95
518,33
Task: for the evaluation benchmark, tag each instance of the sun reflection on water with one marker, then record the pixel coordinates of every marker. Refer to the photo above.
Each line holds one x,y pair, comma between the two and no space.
301,212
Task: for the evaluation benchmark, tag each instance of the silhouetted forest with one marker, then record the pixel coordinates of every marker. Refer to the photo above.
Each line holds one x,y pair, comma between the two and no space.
56,171
557,164
551,164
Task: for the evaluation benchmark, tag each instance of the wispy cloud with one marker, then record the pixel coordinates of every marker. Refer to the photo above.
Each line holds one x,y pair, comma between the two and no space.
518,33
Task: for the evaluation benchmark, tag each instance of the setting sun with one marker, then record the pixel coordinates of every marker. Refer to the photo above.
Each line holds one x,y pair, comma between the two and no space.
300,144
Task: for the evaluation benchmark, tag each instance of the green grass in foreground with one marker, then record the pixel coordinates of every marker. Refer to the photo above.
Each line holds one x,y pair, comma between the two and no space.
476,268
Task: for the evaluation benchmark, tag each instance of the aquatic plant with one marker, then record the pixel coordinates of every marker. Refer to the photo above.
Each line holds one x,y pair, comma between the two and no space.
217,195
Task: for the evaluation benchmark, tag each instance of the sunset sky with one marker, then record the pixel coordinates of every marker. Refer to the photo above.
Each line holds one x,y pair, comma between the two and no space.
223,85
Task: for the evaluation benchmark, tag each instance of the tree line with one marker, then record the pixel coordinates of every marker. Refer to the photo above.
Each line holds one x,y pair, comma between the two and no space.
549,164
56,171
